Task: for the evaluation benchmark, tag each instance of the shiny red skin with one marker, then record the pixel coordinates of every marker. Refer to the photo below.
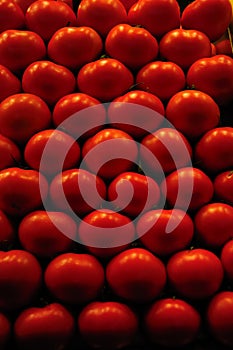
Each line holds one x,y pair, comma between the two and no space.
223,187
128,3
5,330
108,325
10,153
195,274
11,16
223,47
23,4
152,229
74,278
104,79
20,279
9,82
172,322
50,327
39,234
7,231
227,259
136,275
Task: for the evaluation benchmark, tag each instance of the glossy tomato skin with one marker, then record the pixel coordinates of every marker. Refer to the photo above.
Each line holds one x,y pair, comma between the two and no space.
10,153
195,274
24,4
5,330
39,234
128,3
130,271
162,79
10,83
7,231
108,325
12,17
104,79
18,292
170,322
227,259
64,46
223,47
49,327
152,230
74,278
223,187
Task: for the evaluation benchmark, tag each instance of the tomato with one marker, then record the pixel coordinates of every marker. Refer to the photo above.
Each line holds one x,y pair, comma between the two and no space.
162,79
46,17
195,274
23,4
223,187
51,151
227,259
157,16
77,190
133,46
172,322
74,278
130,271
20,279
10,153
109,153
104,79
107,325
48,80
50,327
110,13
153,230
21,191
211,17
195,186
223,47
39,234
5,330
27,46
219,317
9,82
11,16
7,231
184,47
64,46
213,151
214,76
128,3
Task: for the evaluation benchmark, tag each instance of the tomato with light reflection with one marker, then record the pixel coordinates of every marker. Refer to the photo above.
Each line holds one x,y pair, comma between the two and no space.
223,187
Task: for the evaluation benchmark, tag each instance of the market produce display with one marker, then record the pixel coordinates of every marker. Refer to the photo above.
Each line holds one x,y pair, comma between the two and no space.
116,174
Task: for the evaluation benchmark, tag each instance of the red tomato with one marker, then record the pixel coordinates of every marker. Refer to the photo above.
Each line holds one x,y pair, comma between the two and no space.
48,80
23,4
110,13
223,187
5,330
77,190
11,16
153,230
214,76
10,153
195,274
46,17
135,119
211,17
133,46
64,46
50,327
214,223
108,325
9,82
29,112
157,16
162,79
223,47
27,46
192,112
219,317
21,191
39,234
74,278
20,279
51,151
172,322
195,186
128,3
184,47
227,259
136,275
7,232
104,79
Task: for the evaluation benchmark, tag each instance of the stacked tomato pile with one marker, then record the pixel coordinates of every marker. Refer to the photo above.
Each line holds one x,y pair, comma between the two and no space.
116,182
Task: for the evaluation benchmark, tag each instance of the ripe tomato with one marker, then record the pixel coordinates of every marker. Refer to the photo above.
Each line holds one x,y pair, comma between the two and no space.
39,234
10,153
162,79
130,271
128,3
9,82
153,230
104,79
64,46
29,112
20,279
195,274
227,259
133,46
192,112
223,187
11,16
5,330
110,13
170,322
50,327
107,325
223,47
7,231
23,4
48,80
184,47
74,278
